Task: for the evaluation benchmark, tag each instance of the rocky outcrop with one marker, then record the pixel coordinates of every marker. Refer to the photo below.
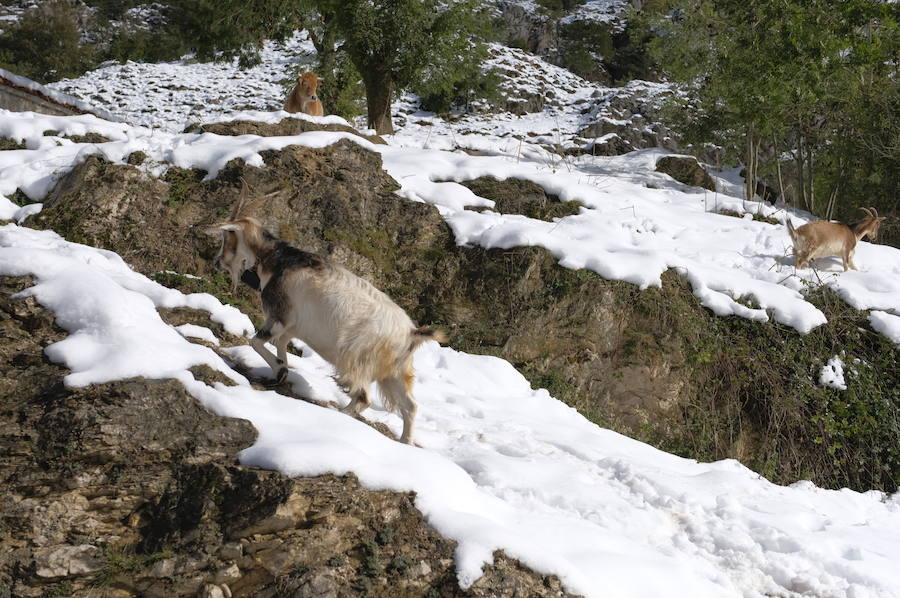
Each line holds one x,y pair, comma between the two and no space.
517,196
526,28
686,169
132,488
627,119
288,126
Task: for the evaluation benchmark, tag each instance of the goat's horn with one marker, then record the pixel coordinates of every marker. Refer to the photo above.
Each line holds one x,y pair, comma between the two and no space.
240,206
867,211
247,206
874,211
256,205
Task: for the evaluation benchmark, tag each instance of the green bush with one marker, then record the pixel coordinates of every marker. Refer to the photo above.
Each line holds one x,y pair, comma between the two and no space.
45,44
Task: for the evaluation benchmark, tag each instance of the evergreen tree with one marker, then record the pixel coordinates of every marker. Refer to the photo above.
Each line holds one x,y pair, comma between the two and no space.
813,78
45,44
396,43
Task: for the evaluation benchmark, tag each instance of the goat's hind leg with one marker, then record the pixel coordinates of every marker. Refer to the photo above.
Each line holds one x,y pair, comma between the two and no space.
273,329
359,400
398,392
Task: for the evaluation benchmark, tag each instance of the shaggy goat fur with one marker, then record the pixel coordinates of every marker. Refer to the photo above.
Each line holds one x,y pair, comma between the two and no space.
357,328
303,97
822,239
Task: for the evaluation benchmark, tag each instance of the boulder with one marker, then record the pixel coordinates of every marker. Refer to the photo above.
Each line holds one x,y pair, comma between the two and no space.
686,169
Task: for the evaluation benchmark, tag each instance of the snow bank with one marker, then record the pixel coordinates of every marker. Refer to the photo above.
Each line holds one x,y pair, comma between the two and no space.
109,310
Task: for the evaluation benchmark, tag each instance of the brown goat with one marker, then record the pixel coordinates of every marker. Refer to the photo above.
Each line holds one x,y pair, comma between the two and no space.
822,239
303,97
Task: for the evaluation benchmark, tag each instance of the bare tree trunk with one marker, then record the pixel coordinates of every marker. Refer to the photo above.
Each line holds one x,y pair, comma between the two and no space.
811,180
800,177
778,166
379,89
749,181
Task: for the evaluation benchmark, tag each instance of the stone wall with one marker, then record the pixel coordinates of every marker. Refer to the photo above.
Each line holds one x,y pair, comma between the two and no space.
21,100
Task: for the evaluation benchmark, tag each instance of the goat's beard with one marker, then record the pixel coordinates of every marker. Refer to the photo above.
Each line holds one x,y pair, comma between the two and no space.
236,271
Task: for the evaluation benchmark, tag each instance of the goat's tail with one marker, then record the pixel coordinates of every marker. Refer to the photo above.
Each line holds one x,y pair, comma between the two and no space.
425,333
791,230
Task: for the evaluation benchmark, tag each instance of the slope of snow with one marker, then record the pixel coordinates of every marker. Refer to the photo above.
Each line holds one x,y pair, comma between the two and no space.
172,95
499,465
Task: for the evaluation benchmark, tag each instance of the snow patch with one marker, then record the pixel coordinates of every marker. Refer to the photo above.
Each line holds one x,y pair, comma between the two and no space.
832,374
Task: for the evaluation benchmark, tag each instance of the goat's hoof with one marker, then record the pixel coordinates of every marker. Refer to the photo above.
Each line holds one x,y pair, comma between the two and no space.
281,376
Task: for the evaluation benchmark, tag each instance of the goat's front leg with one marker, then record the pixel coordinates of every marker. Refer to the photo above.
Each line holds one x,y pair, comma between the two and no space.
272,328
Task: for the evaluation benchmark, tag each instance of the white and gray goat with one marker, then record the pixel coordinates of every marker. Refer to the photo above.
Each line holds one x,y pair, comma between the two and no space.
822,239
357,328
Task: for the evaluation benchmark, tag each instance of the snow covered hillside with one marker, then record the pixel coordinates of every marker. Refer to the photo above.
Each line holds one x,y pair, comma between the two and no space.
499,465
170,96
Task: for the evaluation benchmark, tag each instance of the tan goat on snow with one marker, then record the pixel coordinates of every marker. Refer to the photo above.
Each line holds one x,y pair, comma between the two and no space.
357,328
822,239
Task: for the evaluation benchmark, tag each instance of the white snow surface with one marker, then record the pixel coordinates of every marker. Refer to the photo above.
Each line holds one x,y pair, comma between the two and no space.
171,95
499,466
601,11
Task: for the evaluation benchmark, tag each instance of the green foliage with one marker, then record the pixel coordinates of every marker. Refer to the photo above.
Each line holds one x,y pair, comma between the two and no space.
759,381
463,86
127,562
584,46
384,536
59,590
142,45
400,564
815,78
182,183
398,43
228,29
45,44
341,90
